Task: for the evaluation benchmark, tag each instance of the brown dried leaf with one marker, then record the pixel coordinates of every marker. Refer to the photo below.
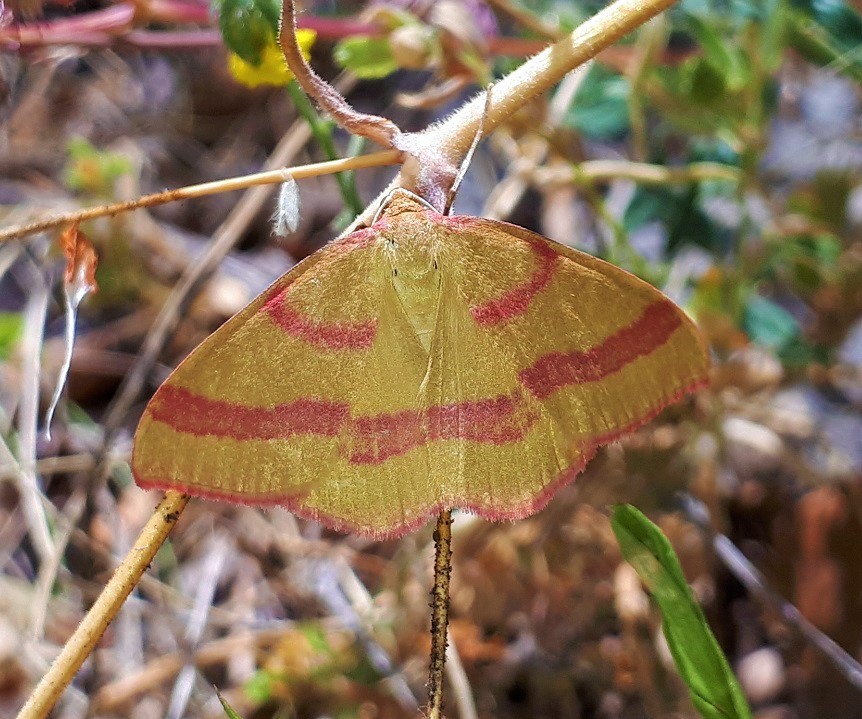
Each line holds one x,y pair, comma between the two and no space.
81,261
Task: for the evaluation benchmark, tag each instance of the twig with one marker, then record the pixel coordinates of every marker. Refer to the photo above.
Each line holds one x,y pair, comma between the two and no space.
361,603
529,19
653,34
271,177
754,581
336,585
529,154
111,698
48,465
94,624
48,573
115,25
439,611
322,130
543,71
643,172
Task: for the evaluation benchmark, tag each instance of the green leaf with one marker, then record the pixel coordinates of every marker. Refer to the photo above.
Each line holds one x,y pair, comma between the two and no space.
713,688
91,170
259,689
248,26
316,638
600,108
229,711
808,260
679,210
768,324
11,326
122,476
369,58
724,58
827,32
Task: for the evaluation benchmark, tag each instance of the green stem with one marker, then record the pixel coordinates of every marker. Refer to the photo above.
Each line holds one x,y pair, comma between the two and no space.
322,131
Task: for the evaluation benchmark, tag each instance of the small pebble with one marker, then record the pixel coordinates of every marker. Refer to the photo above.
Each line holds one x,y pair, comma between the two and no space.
761,674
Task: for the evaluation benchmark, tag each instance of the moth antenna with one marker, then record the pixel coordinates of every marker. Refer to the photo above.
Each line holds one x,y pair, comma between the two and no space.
382,131
465,163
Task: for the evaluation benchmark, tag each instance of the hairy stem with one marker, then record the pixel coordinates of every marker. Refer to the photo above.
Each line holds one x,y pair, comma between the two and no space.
379,129
439,611
453,136
103,611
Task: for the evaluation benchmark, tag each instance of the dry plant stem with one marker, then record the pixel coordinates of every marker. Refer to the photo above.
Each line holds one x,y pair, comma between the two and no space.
271,177
48,573
118,588
439,611
113,698
460,684
207,581
756,583
28,418
82,462
528,19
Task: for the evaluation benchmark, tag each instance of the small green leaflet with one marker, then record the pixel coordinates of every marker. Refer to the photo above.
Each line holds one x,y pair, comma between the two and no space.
229,711
714,690
11,327
769,324
369,58
248,26
600,108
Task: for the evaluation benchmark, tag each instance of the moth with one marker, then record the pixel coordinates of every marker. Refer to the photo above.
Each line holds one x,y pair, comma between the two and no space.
426,362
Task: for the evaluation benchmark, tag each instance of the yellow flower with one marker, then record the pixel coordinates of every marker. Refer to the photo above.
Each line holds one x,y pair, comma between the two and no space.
272,69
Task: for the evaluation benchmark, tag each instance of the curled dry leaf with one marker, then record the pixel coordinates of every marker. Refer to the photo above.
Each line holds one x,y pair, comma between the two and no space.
79,279
80,275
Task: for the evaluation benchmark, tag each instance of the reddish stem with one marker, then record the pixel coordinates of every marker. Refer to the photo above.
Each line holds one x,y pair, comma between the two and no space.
101,28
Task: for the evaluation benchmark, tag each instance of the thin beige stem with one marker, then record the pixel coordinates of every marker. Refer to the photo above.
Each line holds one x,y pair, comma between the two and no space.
66,463
643,172
528,19
118,588
439,611
377,159
28,418
113,698
650,40
460,684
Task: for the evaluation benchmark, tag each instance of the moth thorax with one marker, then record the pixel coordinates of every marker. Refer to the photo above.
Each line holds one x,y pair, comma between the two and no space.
415,276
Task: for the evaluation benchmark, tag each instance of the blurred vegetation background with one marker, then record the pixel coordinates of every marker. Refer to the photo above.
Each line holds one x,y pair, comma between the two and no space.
716,153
